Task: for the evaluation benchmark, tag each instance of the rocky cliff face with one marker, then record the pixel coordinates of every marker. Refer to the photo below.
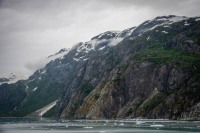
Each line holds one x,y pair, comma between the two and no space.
149,71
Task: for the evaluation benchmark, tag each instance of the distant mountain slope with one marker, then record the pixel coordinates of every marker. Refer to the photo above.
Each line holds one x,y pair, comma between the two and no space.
150,71
12,78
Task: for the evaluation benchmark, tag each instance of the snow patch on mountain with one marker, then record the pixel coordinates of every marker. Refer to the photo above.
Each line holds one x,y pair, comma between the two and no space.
165,21
85,59
171,19
197,19
106,35
43,110
13,78
178,18
125,33
76,59
43,71
102,48
103,40
165,32
59,55
35,89
88,46
166,26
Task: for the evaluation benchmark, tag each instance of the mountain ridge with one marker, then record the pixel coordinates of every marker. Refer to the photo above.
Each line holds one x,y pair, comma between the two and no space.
143,71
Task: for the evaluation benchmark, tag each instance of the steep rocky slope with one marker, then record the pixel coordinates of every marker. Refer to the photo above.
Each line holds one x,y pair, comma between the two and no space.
150,71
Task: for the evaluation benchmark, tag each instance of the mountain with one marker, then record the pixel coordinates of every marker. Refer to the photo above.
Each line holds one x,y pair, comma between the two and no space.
12,78
148,71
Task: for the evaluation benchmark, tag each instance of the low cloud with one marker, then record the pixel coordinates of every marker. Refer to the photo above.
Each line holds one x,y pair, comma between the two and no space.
36,65
115,41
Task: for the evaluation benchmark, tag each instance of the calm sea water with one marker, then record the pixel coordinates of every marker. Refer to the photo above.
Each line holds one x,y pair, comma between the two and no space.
43,125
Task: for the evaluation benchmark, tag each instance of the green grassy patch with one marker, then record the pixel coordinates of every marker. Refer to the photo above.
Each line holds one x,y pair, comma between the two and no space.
167,56
11,97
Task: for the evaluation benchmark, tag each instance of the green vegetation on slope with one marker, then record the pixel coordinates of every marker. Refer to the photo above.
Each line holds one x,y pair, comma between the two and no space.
166,56
12,96
45,94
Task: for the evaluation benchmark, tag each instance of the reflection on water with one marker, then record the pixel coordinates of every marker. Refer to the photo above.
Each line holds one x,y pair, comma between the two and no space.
28,125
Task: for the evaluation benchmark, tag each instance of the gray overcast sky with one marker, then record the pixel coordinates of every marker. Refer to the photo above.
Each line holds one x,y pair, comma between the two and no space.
33,29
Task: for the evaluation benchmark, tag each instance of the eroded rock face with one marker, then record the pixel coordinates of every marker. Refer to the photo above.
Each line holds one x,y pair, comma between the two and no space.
192,113
142,91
